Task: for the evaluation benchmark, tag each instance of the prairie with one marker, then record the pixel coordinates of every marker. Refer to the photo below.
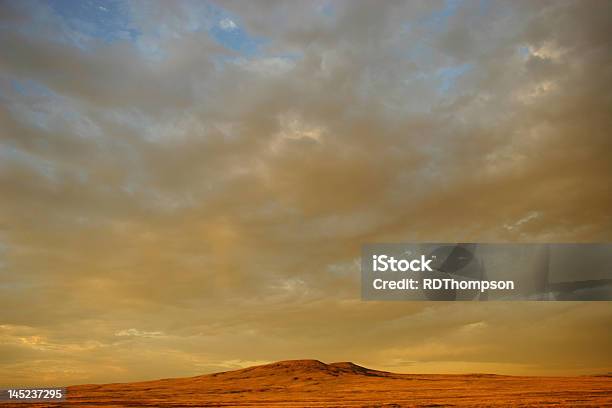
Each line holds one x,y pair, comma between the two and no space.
311,383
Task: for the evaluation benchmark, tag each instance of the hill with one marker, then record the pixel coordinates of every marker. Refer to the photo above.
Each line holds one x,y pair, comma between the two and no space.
312,383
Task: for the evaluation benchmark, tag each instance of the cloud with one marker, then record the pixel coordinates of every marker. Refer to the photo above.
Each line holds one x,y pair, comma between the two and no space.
138,333
227,24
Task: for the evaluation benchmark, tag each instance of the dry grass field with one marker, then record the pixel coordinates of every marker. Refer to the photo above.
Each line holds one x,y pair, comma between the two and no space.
311,383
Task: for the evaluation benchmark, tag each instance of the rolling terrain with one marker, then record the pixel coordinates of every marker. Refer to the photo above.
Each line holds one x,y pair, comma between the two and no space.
311,383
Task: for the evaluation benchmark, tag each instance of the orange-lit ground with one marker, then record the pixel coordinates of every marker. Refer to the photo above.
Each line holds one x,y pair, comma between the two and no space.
310,383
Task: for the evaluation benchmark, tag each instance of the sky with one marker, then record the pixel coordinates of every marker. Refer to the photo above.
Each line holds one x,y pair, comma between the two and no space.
185,186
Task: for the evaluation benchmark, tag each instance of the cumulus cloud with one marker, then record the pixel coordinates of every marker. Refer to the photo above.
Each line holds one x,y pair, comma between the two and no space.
187,181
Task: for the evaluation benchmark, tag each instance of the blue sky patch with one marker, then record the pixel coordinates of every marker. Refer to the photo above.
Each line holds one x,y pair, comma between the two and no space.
449,75
106,20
